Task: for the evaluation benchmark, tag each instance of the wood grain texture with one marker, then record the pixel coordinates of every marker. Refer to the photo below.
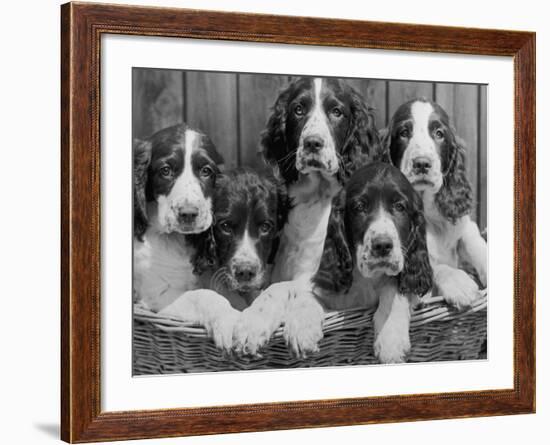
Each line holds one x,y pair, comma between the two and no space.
257,95
403,91
158,96
82,27
212,108
374,92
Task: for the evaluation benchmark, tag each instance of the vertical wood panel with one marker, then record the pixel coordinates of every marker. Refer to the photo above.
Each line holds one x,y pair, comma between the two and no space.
482,220
212,108
157,100
401,91
257,94
374,92
461,103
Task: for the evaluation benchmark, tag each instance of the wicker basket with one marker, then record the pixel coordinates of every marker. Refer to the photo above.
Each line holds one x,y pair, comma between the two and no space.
166,345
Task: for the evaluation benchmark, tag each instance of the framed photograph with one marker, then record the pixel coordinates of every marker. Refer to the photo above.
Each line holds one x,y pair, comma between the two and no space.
275,222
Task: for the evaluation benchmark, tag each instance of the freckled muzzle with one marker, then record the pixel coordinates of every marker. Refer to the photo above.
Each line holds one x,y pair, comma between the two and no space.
322,158
380,252
246,269
422,167
185,216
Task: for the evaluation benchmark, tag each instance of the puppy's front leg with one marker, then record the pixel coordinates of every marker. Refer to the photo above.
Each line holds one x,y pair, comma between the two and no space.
391,327
211,310
455,285
304,323
261,319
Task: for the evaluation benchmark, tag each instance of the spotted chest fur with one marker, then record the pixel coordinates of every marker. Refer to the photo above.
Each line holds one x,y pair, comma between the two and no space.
303,238
442,235
162,268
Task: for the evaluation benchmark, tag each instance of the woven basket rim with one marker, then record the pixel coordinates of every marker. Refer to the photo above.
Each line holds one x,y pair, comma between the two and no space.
430,310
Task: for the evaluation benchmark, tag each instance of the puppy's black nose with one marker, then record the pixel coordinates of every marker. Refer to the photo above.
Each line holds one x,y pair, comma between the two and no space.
381,246
188,215
245,272
421,165
312,144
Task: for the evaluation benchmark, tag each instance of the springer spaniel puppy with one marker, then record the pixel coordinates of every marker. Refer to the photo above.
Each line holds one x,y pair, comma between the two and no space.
231,257
375,255
174,176
319,132
422,144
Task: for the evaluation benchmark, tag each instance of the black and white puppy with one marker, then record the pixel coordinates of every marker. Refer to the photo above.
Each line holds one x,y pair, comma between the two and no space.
174,178
319,132
231,257
422,143
375,255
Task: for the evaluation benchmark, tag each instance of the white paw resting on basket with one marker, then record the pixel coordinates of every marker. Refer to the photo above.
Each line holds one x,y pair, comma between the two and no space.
261,319
391,327
303,326
211,310
456,286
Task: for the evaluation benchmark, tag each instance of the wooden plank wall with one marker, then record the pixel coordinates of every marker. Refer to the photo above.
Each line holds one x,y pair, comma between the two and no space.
233,108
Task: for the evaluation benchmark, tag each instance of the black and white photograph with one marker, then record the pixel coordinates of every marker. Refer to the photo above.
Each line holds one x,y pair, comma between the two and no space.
284,221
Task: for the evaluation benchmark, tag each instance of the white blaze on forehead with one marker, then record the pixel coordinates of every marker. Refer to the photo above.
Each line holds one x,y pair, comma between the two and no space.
421,143
191,139
318,85
318,120
421,112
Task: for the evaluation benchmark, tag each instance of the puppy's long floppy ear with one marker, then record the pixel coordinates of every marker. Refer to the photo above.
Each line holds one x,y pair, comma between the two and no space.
142,159
273,138
212,151
454,198
205,256
384,154
363,142
335,272
416,278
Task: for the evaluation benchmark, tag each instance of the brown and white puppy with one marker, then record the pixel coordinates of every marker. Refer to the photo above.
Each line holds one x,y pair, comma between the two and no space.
421,142
174,178
319,132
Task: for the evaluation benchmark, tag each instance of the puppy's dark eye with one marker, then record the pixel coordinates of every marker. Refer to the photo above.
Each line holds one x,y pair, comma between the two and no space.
299,110
166,171
265,228
225,227
404,133
439,134
336,112
399,207
206,171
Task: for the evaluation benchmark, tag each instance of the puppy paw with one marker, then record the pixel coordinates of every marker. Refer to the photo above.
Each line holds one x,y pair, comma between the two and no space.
392,346
259,321
251,333
221,330
458,288
303,329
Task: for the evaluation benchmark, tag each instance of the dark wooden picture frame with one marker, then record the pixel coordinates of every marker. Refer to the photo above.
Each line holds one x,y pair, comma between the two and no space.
82,26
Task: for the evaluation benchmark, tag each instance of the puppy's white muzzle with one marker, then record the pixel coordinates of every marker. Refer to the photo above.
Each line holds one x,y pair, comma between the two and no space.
380,252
